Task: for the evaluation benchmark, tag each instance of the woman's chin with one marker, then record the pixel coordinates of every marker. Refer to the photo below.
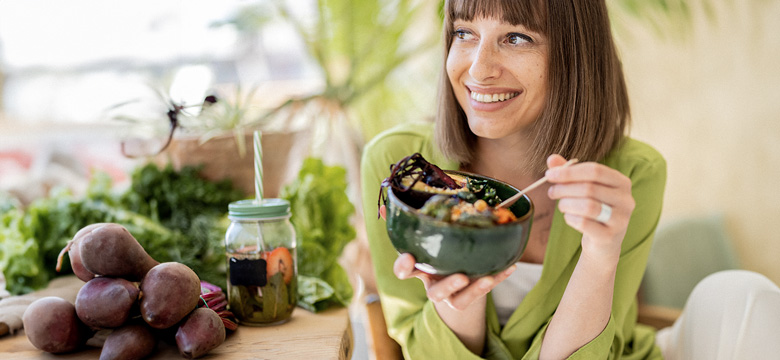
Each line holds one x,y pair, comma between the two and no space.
497,127
489,129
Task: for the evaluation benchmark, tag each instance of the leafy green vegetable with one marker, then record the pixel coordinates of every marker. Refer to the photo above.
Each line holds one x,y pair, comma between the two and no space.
313,290
175,216
19,253
176,199
178,216
192,208
321,215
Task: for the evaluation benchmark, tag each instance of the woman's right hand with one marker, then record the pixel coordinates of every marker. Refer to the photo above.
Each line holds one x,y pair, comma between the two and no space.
456,290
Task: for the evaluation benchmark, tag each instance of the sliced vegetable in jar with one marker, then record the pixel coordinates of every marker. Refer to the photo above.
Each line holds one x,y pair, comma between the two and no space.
280,260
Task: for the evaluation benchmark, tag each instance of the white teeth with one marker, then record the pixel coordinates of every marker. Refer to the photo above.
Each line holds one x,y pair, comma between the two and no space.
490,98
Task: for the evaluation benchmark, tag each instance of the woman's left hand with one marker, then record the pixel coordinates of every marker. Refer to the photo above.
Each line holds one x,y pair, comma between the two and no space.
595,200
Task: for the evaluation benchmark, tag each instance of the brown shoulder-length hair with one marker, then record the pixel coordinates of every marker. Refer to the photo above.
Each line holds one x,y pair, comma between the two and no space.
587,109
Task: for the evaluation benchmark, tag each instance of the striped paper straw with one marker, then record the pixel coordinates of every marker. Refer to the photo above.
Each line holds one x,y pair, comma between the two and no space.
258,168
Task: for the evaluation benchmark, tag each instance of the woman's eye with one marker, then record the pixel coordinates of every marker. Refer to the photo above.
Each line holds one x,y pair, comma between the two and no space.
461,34
518,39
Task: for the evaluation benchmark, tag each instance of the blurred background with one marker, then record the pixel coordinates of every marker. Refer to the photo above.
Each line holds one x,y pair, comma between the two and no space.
79,79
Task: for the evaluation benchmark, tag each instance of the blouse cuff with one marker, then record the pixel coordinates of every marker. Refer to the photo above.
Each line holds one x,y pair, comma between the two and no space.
433,339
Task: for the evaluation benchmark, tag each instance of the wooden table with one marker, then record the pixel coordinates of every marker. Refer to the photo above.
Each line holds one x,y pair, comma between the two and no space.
308,336
325,335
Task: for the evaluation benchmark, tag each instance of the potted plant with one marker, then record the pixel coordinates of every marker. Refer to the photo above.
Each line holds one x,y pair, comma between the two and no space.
213,134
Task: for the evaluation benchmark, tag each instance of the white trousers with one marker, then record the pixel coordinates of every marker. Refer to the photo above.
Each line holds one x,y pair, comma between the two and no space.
732,314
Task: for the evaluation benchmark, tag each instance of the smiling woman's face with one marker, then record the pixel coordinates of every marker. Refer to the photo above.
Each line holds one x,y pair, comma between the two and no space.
498,72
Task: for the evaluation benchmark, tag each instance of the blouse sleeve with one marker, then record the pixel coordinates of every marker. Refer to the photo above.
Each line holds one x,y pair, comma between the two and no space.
647,171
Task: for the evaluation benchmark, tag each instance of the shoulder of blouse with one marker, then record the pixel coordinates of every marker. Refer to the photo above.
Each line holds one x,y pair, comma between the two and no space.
403,140
632,155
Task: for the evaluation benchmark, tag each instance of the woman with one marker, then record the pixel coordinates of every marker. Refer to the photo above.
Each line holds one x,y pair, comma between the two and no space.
523,80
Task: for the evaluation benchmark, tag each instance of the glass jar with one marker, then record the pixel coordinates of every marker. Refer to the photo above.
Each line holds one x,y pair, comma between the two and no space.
262,271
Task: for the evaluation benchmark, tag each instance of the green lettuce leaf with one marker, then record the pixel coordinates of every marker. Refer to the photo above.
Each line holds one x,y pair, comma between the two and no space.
321,215
314,294
20,258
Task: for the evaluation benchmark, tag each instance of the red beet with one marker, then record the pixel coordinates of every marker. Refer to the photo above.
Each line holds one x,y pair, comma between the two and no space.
201,332
51,325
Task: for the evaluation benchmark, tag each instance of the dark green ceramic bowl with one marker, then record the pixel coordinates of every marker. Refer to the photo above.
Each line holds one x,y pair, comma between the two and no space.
444,248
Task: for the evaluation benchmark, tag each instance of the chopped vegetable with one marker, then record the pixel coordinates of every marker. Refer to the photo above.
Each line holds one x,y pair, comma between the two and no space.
280,260
454,209
212,297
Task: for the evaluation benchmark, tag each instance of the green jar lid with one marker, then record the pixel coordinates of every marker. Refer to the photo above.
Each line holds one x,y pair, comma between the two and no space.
251,209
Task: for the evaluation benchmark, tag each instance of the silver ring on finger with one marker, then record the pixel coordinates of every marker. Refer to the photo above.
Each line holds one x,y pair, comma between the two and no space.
605,214
447,301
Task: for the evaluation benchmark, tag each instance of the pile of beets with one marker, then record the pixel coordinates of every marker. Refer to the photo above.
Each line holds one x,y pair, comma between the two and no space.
130,296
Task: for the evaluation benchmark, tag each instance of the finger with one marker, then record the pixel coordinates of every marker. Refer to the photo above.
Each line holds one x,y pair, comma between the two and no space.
620,199
403,267
587,226
383,212
447,287
478,289
588,190
591,209
505,274
469,294
593,230
555,160
589,171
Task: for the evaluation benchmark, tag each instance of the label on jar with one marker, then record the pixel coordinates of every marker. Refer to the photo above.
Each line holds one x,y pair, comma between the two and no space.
248,272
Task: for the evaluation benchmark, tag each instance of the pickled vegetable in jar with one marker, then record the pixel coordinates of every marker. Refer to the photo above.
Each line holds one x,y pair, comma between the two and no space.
261,262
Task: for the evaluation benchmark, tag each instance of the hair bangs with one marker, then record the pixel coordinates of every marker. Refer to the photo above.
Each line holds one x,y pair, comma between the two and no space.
529,13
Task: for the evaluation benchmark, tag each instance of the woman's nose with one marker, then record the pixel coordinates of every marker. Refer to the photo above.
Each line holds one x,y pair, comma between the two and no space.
485,63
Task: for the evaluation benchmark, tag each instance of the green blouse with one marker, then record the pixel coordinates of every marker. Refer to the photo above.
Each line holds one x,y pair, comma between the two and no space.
412,319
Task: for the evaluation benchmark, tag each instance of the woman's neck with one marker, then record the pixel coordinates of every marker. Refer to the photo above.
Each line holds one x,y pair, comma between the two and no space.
504,160
508,161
